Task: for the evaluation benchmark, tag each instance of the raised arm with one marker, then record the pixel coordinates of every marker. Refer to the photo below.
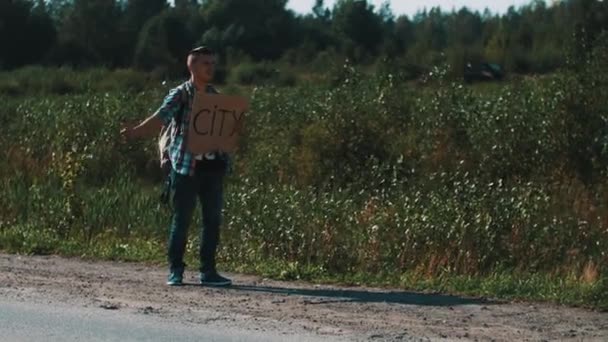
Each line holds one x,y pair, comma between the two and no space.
163,116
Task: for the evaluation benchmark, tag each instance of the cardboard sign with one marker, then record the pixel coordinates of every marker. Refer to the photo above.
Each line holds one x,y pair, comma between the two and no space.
216,122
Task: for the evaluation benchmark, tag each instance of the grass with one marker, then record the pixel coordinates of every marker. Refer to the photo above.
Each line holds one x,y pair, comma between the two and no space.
496,191
502,285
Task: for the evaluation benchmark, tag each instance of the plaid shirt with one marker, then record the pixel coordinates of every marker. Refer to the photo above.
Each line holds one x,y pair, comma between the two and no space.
177,106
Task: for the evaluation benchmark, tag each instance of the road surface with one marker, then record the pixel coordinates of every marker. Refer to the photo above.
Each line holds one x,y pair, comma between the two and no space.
57,299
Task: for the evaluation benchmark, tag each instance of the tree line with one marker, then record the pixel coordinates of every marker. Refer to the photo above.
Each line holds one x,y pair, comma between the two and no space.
155,35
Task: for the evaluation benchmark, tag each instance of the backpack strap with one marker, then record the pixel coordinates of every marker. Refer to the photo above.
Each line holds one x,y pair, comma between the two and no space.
185,100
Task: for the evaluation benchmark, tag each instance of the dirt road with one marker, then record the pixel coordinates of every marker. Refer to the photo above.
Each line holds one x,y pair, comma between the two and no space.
290,310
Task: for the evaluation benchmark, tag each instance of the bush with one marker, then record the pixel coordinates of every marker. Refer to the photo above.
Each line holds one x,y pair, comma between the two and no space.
261,74
361,175
47,81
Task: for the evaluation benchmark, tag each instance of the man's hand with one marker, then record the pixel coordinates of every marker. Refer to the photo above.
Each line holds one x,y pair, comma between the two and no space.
148,128
127,131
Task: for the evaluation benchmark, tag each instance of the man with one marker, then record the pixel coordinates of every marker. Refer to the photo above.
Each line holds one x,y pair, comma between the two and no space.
191,175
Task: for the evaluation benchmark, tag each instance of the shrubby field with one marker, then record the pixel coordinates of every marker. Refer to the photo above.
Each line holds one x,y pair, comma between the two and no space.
495,189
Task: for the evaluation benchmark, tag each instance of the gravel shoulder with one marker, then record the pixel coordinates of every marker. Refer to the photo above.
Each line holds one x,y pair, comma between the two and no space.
293,310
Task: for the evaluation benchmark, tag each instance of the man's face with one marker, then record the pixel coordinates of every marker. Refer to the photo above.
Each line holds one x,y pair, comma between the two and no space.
202,66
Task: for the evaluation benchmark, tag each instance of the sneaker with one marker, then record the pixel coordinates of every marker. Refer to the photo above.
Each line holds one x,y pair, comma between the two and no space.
214,279
175,279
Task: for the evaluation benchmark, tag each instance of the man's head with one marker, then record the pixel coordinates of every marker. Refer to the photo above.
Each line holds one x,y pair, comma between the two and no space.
201,63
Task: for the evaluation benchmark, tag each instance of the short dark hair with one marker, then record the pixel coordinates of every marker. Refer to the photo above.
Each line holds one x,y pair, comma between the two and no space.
201,50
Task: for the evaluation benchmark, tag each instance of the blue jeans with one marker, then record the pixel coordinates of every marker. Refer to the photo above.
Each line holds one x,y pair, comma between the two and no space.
207,184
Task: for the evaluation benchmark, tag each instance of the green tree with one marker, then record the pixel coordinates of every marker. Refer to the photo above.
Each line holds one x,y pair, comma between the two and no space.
430,35
90,33
164,43
358,28
590,19
136,14
264,29
320,11
313,32
27,32
496,47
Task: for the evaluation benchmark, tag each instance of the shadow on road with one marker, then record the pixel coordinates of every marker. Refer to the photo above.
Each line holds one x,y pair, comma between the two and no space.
325,296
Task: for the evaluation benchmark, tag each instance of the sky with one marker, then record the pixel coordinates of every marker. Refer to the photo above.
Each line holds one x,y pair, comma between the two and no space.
410,7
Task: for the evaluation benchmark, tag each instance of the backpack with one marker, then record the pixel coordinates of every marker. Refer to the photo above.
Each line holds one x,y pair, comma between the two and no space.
167,134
